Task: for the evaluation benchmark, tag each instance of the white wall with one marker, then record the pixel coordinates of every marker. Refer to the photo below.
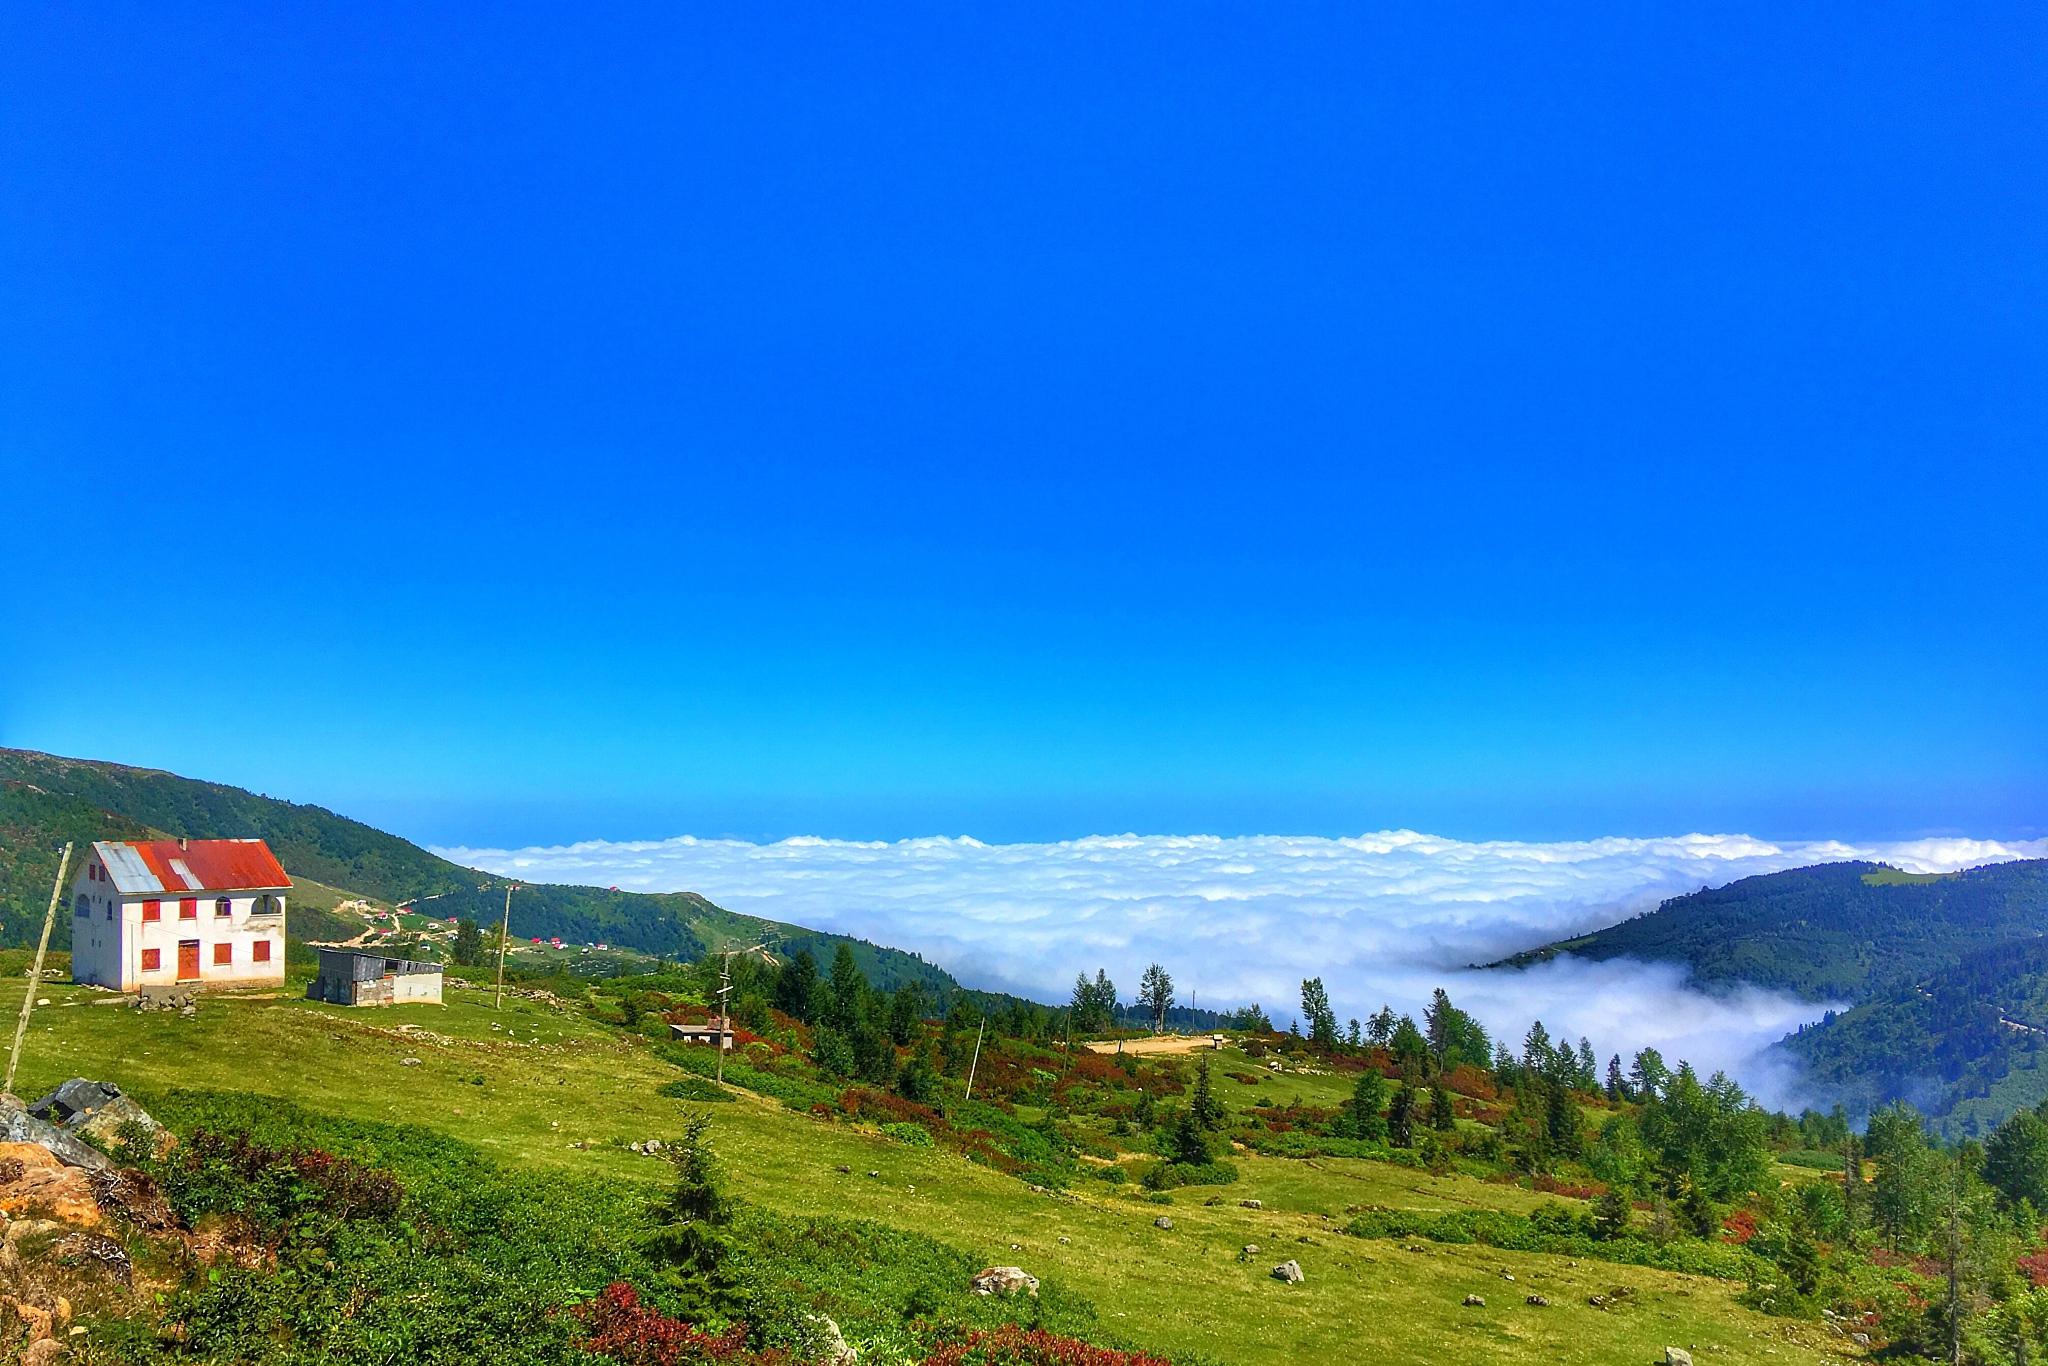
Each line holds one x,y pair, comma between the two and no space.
107,942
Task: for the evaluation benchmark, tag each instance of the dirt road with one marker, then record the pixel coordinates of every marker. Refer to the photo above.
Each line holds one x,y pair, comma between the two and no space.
1163,1043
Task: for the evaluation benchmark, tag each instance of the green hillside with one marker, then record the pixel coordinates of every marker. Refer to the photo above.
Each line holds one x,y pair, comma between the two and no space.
1835,932
1969,1046
46,799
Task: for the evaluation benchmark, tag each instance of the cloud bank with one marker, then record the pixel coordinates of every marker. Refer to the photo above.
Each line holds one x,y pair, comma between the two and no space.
1381,918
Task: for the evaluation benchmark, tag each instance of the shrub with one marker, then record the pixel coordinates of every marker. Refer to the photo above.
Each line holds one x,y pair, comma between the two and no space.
1166,1176
617,1325
908,1134
695,1088
1015,1346
1554,1229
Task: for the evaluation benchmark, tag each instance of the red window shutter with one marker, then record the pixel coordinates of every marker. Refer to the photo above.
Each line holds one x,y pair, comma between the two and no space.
223,953
152,910
188,909
262,951
152,960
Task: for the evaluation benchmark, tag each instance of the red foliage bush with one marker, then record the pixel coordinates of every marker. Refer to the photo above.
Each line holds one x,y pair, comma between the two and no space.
1593,1190
617,1325
1014,1346
1739,1227
1468,1080
2034,1266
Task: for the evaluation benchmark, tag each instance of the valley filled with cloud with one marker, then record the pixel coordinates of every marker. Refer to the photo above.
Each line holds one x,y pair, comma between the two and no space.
1382,918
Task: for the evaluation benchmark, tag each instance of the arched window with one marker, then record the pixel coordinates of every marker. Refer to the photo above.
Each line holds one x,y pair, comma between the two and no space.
267,904
223,907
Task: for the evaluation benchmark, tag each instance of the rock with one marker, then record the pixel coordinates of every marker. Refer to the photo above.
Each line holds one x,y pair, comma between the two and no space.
1016,1247
875,1174
1004,1280
42,1182
1064,1240
1252,1204
1251,1249
18,1127
1506,1274
1162,1222
845,1170
1475,1301
1289,1271
1537,1300
408,1062
1677,1356
832,1347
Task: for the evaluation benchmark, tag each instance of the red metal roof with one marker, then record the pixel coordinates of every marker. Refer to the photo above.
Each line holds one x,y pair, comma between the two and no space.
214,865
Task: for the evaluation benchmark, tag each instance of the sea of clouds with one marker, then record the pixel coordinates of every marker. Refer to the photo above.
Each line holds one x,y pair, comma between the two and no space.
1380,918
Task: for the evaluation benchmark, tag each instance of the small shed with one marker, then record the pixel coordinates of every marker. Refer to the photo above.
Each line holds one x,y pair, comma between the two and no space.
714,1032
349,977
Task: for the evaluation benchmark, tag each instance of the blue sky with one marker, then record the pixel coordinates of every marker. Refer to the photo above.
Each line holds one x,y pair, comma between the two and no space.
522,425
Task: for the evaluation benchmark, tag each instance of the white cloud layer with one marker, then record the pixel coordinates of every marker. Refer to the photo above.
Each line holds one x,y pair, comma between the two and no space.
1381,918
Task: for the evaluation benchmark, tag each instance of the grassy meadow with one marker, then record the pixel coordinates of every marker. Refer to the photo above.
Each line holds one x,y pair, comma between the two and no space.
545,1088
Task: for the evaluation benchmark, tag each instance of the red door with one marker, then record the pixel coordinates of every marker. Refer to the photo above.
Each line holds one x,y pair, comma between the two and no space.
188,960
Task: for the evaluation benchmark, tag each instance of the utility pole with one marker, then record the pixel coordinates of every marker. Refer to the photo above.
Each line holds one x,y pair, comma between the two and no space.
724,1011
976,1061
35,976
504,939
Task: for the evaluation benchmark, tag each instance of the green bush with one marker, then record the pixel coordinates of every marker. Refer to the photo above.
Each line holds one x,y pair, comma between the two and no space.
909,1134
1555,1229
694,1087
1166,1176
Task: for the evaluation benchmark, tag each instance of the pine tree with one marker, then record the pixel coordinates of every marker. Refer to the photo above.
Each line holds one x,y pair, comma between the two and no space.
1315,1008
1441,1116
1207,1111
468,950
1367,1119
1401,1118
1617,1085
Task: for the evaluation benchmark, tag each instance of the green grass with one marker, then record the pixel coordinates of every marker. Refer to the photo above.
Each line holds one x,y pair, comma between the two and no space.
528,1085
1893,877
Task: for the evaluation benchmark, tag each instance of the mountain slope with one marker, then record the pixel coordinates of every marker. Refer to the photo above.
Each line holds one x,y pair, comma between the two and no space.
46,799
1968,1046
1837,931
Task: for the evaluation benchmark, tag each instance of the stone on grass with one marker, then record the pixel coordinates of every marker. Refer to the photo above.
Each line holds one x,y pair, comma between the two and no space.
1162,1222
1475,1301
1677,1356
1252,1204
1004,1280
1289,1271
1537,1300
17,1125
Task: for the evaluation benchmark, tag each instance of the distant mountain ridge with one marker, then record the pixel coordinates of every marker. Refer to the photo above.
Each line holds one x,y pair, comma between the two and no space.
1947,976
46,799
1831,932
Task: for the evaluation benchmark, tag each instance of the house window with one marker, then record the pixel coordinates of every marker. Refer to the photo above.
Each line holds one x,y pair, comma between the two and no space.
262,954
152,910
223,953
188,909
266,904
152,960
223,907
84,906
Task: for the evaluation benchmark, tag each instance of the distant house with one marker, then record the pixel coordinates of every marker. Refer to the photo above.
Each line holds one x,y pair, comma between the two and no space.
148,913
352,978
714,1032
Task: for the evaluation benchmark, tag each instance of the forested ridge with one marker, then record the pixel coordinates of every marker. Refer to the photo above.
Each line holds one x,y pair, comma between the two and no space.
46,799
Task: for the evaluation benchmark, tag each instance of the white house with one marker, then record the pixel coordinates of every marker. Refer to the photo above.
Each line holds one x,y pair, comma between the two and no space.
148,913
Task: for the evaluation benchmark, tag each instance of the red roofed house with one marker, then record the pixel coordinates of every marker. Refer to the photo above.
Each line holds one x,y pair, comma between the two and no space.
148,913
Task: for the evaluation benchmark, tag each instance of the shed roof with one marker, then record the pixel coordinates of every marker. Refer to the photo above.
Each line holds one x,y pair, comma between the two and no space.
142,866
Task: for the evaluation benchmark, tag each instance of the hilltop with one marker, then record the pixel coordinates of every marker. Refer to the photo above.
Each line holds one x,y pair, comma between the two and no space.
1832,932
46,799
